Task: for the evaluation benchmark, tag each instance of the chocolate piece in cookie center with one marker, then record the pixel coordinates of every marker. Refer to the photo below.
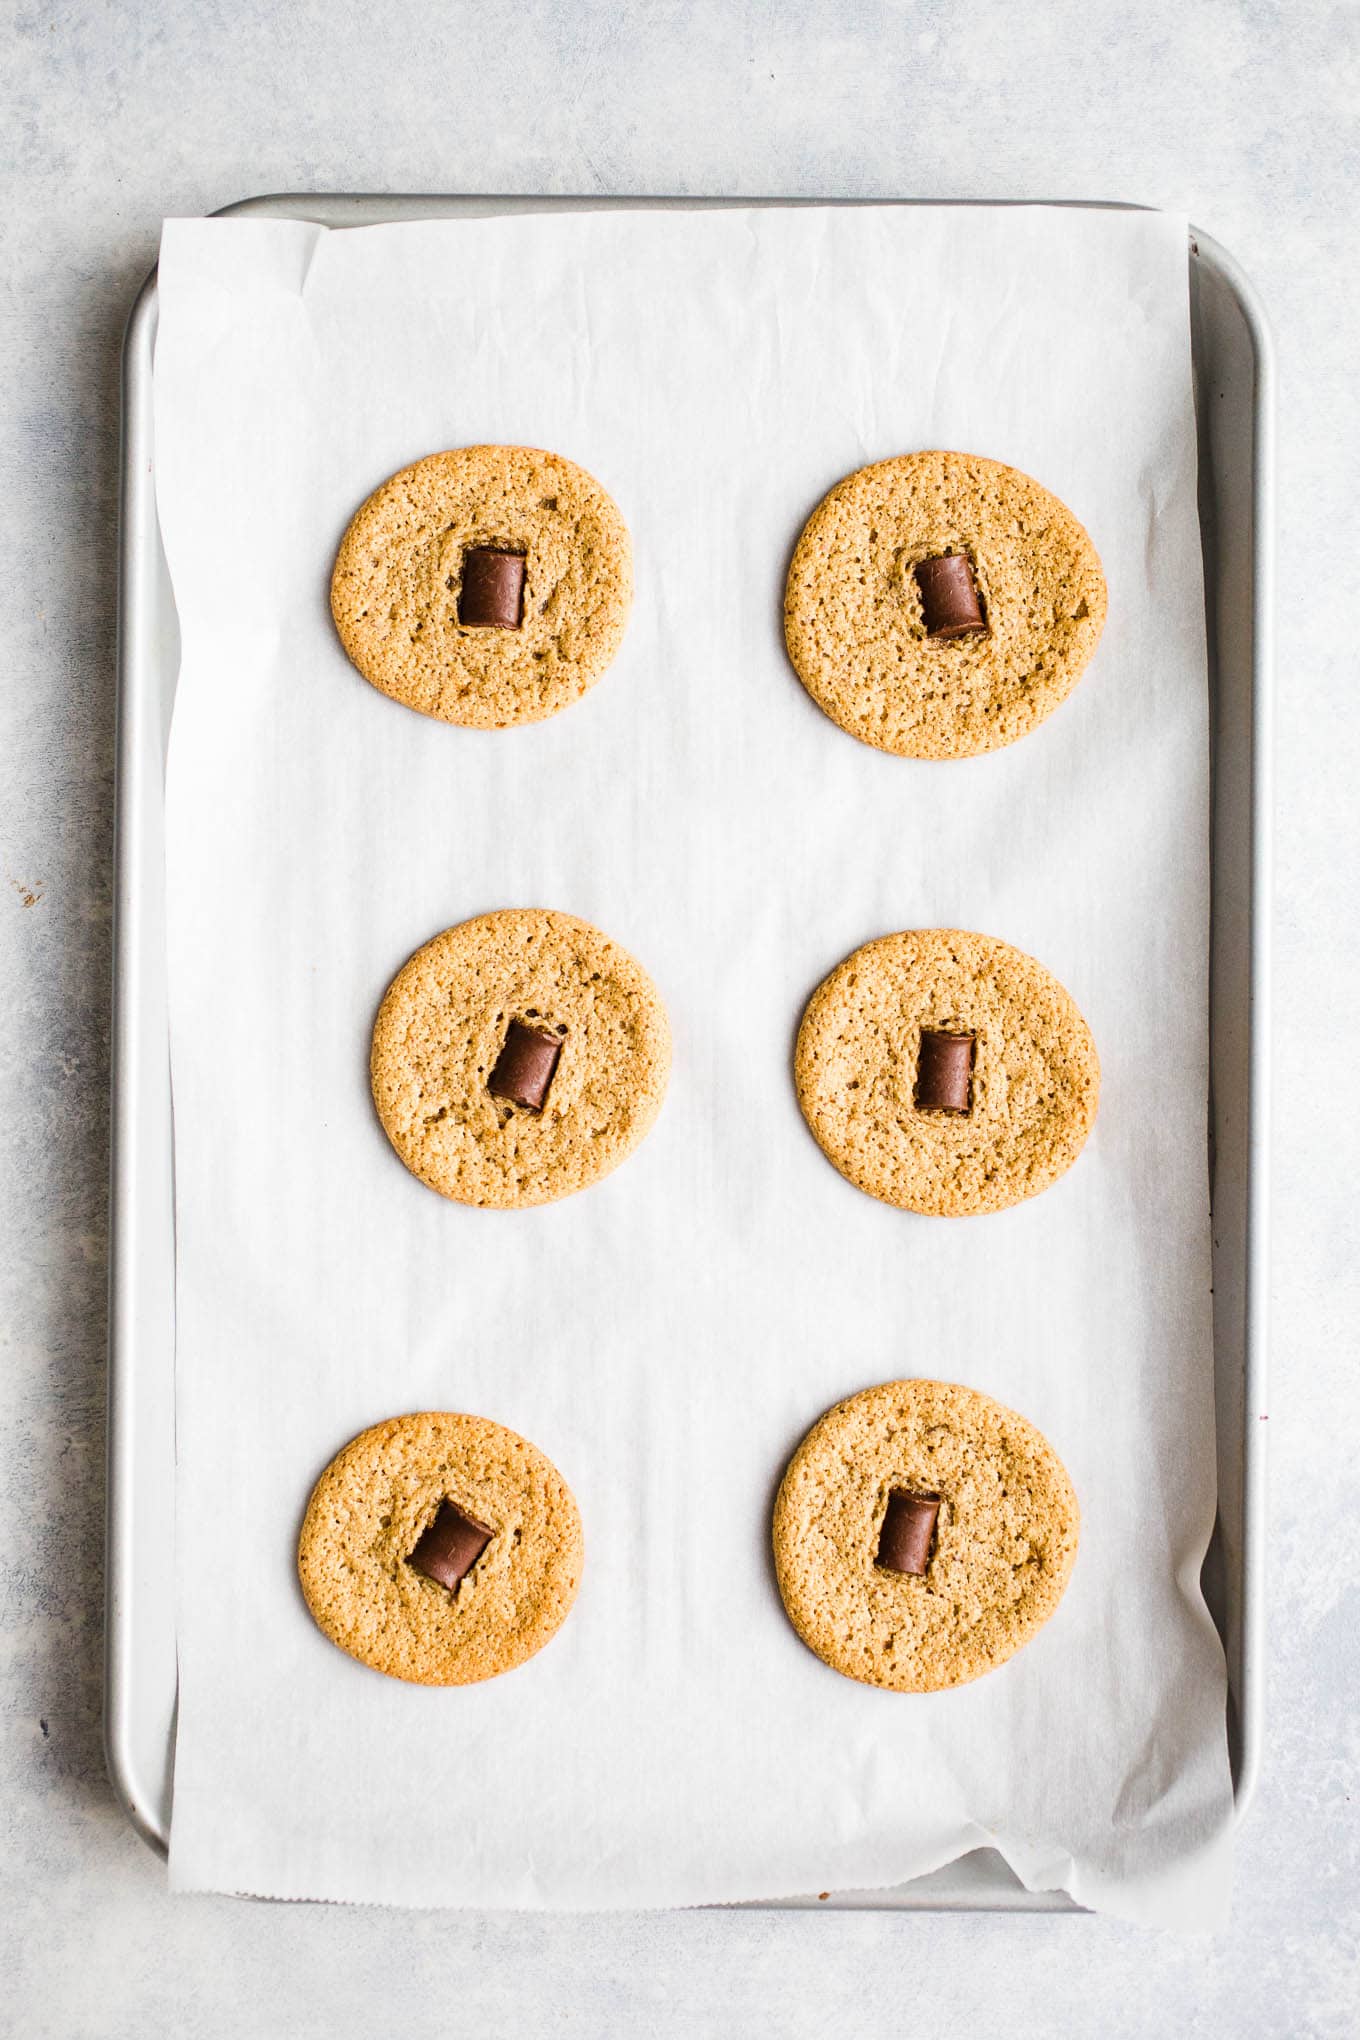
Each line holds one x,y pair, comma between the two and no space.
526,1066
908,1531
492,594
450,1546
944,1072
949,597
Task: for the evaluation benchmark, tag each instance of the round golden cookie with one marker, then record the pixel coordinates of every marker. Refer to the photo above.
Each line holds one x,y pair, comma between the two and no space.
398,580
368,1512
852,608
1035,1073
444,1023
1004,1542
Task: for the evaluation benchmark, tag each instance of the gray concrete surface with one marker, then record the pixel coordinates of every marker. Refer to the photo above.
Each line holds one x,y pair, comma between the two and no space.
1241,112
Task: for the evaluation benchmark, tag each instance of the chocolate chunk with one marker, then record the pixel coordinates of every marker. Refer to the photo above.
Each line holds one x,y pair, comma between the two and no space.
944,1072
492,594
525,1066
908,1531
450,1547
949,597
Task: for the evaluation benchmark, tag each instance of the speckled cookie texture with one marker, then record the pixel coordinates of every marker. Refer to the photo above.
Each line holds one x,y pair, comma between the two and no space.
1004,1546
852,608
1035,1072
398,578
367,1513
442,1026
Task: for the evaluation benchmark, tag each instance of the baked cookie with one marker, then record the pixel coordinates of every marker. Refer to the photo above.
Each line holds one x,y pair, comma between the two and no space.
940,604
486,586
392,1579
990,1535
518,1057
946,1072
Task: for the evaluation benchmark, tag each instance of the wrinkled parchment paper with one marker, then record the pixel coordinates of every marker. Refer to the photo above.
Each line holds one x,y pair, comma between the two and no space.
668,1335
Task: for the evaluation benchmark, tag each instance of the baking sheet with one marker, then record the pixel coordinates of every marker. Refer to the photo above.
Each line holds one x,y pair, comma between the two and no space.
686,1320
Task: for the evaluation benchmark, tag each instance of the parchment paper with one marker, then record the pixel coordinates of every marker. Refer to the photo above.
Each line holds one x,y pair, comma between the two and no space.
668,1335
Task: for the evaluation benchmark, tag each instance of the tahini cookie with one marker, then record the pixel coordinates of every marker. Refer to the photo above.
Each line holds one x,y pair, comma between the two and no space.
440,1548
940,604
922,1534
518,1057
946,1072
486,586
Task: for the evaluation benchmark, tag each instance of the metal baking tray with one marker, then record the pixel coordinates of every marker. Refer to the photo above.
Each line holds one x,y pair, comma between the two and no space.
1234,377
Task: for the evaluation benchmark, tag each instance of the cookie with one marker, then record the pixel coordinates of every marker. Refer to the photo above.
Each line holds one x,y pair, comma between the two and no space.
946,1072
929,666
486,586
372,1511
518,1057
989,1569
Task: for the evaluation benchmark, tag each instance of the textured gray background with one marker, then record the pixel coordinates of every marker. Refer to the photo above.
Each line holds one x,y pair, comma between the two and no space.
1242,113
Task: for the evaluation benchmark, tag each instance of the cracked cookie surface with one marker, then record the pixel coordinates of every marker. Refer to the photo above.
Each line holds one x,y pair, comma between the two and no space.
852,609
1004,1545
443,1023
367,1513
1035,1072
398,576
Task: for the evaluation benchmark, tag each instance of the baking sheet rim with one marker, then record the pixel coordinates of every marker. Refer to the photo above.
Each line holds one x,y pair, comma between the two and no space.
137,647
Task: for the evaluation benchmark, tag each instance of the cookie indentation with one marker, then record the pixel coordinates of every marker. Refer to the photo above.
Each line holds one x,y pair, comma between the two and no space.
449,1546
491,594
526,1065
